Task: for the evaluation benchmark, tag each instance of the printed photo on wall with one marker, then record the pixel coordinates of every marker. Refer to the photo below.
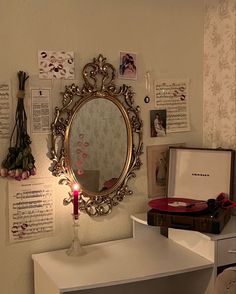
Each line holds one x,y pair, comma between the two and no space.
158,123
128,66
157,166
157,170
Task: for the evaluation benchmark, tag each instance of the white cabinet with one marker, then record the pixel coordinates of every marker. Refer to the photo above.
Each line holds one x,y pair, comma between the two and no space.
219,248
148,256
226,251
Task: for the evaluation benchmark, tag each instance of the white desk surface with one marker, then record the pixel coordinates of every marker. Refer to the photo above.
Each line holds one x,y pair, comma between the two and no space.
119,262
229,231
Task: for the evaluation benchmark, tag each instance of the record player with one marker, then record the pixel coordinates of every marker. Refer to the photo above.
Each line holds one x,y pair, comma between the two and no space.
195,178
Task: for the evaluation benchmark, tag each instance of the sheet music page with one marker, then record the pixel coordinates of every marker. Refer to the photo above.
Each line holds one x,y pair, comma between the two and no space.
31,209
173,96
5,110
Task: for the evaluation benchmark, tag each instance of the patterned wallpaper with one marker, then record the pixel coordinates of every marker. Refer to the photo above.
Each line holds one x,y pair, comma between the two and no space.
219,107
104,129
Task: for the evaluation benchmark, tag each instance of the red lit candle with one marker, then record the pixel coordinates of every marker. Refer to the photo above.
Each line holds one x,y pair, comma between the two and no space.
75,200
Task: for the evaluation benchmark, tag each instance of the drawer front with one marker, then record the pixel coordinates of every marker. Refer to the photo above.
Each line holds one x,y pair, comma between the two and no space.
226,251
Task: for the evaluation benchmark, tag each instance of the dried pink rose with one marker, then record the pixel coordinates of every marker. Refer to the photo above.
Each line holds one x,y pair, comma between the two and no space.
33,171
12,173
4,172
18,172
24,175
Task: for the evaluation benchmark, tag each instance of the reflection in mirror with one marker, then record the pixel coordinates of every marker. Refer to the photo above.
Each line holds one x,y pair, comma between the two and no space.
100,127
97,139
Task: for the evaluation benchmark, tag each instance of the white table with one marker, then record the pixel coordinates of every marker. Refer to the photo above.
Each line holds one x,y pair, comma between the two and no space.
148,255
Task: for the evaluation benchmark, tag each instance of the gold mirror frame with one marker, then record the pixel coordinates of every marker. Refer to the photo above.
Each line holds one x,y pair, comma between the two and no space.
98,83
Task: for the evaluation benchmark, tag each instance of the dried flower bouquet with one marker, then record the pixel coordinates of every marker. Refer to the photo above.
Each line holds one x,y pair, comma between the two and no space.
19,163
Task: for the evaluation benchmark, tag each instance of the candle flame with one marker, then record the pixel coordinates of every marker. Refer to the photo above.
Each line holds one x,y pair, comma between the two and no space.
76,187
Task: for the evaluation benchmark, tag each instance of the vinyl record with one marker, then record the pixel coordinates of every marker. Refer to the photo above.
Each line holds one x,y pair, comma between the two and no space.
178,205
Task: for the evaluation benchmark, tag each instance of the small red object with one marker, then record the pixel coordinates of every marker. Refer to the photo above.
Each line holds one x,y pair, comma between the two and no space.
223,201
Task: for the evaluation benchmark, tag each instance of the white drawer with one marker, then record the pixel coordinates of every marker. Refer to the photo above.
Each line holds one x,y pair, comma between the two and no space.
226,251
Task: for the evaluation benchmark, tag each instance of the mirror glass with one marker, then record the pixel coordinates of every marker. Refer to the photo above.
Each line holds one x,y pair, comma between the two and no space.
98,144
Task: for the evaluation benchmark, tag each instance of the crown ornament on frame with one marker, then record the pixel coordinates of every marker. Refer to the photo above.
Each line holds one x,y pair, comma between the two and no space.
99,77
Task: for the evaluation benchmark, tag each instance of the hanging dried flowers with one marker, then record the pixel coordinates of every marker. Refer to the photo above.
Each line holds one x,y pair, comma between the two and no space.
19,163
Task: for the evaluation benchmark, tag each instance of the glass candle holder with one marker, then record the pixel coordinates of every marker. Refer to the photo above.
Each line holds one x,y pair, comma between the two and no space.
75,249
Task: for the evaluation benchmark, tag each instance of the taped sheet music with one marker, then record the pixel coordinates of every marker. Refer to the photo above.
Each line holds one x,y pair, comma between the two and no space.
173,96
5,110
31,209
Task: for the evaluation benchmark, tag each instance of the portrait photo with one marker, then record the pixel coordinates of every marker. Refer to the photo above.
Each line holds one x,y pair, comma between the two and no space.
158,123
157,166
127,65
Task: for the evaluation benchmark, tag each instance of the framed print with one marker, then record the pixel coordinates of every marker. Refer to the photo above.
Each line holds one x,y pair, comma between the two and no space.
128,65
158,123
157,163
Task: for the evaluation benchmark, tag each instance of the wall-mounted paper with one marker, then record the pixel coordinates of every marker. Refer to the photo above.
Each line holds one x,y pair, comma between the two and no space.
173,96
128,65
56,64
5,110
31,209
40,110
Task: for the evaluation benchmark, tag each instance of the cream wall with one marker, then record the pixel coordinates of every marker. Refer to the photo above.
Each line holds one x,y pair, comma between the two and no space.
167,35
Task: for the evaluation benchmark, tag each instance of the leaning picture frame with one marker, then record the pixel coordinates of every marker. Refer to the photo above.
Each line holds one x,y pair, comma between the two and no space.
157,164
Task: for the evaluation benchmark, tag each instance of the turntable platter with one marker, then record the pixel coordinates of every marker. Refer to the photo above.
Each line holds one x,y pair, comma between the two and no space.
178,205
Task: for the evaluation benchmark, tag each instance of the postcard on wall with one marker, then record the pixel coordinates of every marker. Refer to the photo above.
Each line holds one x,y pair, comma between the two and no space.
56,65
40,110
31,209
128,65
173,95
158,122
157,165
5,110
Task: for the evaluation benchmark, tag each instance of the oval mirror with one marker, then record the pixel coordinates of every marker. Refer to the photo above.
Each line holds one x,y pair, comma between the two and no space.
97,139
98,147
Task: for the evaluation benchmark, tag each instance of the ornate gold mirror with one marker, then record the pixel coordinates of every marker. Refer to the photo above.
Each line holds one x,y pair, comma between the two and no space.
97,139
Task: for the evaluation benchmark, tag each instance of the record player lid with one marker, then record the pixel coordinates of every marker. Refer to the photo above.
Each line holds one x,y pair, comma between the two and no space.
199,173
